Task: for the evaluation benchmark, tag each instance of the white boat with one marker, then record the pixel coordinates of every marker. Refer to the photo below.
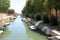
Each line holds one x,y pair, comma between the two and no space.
1,31
32,27
14,17
7,23
25,20
54,38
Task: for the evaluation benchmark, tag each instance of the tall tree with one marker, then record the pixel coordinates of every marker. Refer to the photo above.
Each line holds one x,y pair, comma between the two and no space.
34,6
57,5
37,5
4,5
28,8
11,11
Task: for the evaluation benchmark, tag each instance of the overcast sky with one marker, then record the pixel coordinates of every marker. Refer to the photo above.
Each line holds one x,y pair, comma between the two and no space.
17,5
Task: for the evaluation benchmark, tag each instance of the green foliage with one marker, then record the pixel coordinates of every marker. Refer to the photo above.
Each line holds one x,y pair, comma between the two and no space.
4,5
33,6
11,11
38,17
54,3
53,20
48,4
45,5
46,18
27,8
37,5
57,5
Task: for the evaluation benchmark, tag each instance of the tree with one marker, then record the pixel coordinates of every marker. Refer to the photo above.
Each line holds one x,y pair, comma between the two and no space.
33,7
28,8
4,5
37,5
54,4
11,11
57,6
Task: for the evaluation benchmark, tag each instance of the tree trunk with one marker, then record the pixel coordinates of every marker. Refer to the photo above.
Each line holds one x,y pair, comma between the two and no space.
56,13
56,17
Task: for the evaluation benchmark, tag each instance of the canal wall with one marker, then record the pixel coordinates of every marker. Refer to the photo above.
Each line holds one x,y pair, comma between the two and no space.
48,30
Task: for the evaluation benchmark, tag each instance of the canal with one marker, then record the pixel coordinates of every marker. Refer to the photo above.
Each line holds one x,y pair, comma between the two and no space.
19,30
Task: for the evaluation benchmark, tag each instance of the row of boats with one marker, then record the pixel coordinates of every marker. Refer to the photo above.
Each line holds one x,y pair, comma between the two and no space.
34,25
4,22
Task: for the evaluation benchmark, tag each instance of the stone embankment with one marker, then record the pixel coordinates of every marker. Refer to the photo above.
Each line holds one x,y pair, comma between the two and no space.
48,30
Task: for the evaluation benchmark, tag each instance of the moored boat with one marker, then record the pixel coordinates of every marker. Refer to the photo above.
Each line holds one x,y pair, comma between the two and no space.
32,27
1,31
54,38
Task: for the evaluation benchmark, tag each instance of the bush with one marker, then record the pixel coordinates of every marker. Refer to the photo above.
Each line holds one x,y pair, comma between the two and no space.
38,17
11,11
3,28
46,18
54,20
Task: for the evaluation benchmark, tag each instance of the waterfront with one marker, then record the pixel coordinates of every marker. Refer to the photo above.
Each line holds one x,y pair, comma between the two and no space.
18,31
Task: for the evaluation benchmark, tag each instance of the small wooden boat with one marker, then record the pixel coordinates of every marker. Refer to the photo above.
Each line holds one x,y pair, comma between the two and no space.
54,38
32,27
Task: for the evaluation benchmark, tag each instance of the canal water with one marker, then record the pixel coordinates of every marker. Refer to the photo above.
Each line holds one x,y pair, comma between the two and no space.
19,30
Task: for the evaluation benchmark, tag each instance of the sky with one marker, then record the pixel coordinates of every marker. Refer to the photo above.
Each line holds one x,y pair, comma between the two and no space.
17,5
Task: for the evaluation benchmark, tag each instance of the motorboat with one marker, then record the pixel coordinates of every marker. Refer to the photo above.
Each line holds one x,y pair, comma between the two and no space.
14,17
25,20
32,27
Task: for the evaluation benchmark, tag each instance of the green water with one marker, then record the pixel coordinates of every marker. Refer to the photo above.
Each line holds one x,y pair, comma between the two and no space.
19,30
